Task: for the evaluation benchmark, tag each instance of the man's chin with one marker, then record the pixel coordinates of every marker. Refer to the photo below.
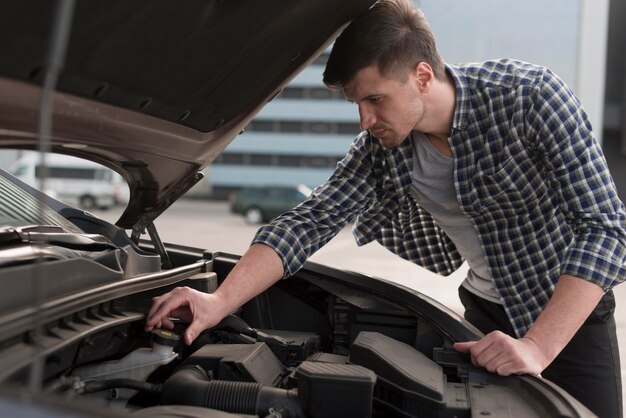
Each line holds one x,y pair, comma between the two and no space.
390,142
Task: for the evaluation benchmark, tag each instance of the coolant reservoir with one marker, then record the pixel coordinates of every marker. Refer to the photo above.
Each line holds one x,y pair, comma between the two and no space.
136,365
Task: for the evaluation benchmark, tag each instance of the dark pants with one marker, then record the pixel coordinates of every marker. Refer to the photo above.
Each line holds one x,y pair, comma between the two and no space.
589,366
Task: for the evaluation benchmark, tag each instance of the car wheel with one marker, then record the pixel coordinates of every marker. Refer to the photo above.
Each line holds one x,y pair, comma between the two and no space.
88,202
253,216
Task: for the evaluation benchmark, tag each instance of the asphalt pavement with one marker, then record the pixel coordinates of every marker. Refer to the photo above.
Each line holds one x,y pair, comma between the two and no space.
209,225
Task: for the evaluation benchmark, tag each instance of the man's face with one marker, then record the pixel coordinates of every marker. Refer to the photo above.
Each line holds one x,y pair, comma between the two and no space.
390,109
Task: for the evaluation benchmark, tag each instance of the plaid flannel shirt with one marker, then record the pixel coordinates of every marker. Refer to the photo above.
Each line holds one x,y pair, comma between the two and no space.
527,171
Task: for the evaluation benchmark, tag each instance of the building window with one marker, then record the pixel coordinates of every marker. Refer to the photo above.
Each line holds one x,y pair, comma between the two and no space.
289,160
316,93
292,93
261,126
318,127
325,93
304,127
285,126
260,159
348,128
319,162
230,159
269,160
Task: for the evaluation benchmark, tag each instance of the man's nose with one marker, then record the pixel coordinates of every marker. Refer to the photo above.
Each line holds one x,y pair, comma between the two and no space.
368,119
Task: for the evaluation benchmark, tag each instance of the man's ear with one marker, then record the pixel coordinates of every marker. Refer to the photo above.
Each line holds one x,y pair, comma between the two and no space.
425,75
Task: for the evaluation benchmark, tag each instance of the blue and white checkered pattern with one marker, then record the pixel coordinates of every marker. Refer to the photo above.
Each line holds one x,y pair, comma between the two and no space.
528,171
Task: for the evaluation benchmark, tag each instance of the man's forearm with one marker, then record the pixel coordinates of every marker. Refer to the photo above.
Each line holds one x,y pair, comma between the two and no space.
572,302
258,269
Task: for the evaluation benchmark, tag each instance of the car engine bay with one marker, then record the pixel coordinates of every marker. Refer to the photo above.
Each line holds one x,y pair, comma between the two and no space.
323,343
238,369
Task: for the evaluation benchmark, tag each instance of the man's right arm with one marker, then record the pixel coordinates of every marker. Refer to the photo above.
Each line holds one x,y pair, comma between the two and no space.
258,269
278,250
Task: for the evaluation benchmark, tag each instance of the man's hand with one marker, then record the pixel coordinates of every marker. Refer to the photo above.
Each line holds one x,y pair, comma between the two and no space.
200,310
505,355
572,302
258,269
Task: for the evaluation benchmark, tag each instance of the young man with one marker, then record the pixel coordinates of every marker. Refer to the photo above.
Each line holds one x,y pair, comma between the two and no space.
494,164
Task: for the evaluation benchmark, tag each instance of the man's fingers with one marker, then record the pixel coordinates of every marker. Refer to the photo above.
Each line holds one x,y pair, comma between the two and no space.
481,352
493,360
464,347
167,323
469,347
155,305
187,305
502,354
507,368
193,330
162,307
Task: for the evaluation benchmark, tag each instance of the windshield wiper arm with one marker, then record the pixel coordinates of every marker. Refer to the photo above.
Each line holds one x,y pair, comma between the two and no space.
74,241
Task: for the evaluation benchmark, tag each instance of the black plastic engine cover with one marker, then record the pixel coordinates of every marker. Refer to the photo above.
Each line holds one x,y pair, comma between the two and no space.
329,390
238,362
409,383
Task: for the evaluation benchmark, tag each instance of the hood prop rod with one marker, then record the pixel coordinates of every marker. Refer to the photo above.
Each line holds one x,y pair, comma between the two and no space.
166,263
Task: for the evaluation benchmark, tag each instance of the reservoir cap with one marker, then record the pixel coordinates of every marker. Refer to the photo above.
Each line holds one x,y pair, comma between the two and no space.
165,337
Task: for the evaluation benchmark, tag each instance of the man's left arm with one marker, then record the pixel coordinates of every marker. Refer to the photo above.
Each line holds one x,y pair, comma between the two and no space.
596,259
572,302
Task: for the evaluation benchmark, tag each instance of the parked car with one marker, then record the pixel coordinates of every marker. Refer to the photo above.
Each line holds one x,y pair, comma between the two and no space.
262,204
155,91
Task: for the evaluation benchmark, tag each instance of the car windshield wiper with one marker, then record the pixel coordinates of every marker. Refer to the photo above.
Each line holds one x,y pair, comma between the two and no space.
53,235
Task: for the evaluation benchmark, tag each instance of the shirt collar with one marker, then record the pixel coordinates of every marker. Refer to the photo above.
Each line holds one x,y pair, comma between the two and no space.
462,106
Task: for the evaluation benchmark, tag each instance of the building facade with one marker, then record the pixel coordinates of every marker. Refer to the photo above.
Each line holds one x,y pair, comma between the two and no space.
296,139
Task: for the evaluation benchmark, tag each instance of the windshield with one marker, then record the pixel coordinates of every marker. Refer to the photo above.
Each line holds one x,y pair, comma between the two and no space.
19,208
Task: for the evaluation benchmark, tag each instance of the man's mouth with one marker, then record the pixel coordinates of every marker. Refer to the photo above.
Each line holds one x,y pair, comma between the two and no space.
379,132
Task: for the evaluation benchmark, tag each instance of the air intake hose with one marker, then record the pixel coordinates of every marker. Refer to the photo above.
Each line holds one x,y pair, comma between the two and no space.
191,386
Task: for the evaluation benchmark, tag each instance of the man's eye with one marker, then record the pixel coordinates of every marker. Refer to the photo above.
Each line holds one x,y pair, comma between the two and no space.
375,99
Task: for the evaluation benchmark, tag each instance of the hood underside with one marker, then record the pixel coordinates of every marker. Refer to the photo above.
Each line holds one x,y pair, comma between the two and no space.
156,89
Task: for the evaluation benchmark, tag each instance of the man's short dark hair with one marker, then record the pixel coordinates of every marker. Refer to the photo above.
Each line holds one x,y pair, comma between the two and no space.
391,33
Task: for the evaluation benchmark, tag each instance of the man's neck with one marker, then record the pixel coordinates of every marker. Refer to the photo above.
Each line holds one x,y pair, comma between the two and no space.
442,106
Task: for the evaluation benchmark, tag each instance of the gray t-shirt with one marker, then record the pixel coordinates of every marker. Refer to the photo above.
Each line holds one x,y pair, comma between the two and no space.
433,188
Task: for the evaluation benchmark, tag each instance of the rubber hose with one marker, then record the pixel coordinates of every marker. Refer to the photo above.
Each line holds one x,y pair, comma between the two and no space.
191,386
99,385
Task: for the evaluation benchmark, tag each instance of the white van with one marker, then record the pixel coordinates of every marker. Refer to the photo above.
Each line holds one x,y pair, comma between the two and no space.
72,180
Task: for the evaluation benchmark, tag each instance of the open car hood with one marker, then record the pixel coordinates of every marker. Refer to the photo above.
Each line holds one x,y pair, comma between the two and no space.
156,89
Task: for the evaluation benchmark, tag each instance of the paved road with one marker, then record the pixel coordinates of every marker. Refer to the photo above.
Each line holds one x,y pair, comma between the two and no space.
210,225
